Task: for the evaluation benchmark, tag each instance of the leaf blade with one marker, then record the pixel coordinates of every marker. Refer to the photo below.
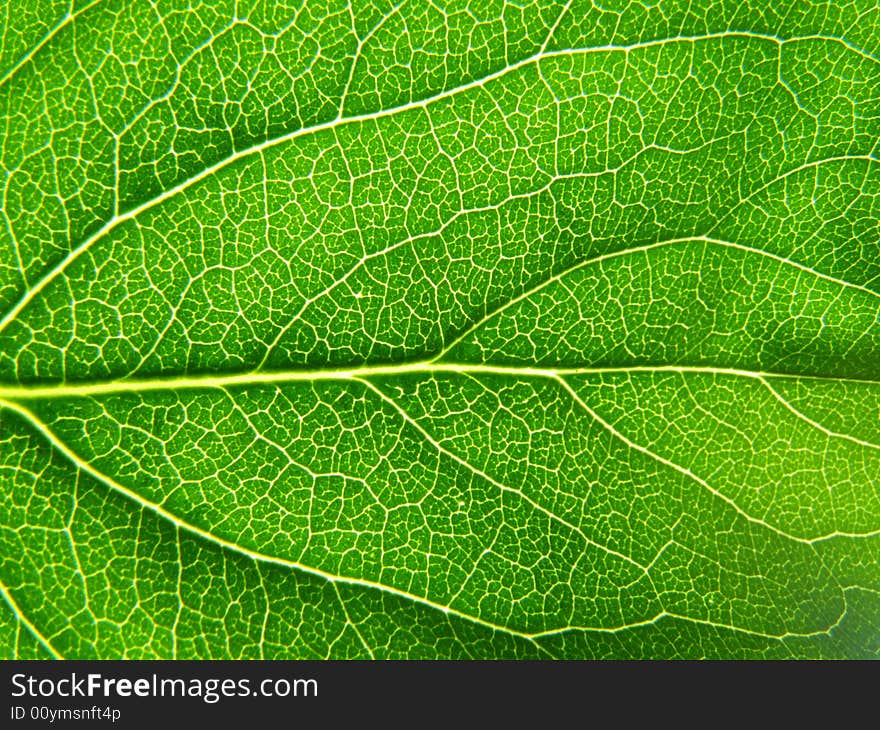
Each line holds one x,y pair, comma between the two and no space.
563,343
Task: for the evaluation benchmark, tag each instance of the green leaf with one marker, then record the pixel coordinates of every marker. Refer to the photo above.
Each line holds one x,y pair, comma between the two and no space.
432,330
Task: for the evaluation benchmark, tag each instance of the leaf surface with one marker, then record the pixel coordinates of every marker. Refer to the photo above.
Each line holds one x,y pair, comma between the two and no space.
492,331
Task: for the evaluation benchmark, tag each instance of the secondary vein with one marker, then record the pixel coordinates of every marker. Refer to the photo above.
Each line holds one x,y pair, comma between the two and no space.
174,519
330,124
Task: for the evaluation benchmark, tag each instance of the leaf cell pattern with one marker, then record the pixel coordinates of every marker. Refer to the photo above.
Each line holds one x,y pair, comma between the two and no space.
440,329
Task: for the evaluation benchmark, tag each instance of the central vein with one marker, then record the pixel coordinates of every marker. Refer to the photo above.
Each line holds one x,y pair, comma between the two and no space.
15,392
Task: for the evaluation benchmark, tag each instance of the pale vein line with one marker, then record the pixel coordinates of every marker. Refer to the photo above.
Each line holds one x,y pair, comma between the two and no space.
333,123
350,622
422,367
181,604
343,97
501,487
24,619
780,637
555,26
815,424
677,467
644,249
788,173
68,18
266,614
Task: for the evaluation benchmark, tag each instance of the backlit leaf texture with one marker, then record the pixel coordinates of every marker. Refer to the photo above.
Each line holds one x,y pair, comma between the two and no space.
440,329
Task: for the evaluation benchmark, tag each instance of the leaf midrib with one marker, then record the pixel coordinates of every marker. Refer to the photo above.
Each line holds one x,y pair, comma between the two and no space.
16,392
